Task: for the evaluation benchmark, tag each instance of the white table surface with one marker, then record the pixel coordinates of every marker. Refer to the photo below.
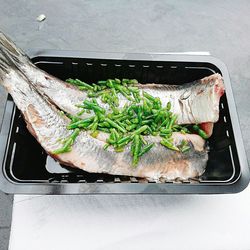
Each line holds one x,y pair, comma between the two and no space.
131,222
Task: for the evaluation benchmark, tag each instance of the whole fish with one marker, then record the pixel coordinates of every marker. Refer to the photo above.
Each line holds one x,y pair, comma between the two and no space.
48,125
194,103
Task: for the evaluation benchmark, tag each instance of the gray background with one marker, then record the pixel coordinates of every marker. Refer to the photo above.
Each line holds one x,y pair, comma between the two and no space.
221,27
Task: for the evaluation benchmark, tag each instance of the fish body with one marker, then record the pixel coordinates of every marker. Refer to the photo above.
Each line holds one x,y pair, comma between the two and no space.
188,101
39,98
48,126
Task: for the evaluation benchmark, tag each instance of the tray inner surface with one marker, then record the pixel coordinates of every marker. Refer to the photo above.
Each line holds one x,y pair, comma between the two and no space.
26,161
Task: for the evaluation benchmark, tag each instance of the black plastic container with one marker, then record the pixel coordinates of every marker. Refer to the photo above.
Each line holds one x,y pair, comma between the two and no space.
26,168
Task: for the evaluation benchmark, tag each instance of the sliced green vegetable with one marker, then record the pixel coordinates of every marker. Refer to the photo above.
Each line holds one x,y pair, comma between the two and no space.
146,149
169,144
115,125
136,150
200,132
68,143
142,115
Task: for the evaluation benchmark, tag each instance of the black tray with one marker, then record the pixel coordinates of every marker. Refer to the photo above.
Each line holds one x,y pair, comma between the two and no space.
26,168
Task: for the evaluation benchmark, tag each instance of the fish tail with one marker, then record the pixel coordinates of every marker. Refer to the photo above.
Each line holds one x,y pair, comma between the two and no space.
9,46
10,56
4,66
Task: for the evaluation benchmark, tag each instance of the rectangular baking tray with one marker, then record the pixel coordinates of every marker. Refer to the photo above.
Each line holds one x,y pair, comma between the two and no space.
26,168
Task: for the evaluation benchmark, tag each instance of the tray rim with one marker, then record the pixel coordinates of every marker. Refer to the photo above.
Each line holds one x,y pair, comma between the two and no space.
239,185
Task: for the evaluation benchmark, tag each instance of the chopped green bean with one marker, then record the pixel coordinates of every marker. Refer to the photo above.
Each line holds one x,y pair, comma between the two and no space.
136,151
169,145
142,115
81,123
140,130
201,132
68,143
115,125
146,149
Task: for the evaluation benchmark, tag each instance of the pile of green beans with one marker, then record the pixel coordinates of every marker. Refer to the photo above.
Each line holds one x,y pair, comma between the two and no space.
143,115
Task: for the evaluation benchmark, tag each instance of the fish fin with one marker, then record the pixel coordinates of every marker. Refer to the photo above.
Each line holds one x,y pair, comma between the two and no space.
10,55
8,45
4,66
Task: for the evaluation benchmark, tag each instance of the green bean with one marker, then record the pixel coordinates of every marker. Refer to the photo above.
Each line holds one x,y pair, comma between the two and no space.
146,107
160,116
102,82
96,94
125,81
143,140
144,122
79,83
82,88
154,126
169,145
136,150
110,141
168,107
185,149
128,122
119,149
105,130
123,118
80,112
117,80
135,121
136,97
124,140
139,115
123,90
134,89
81,123
183,143
73,118
150,130
157,103
133,81
104,124
93,106
140,130
116,134
196,127
131,127
146,149
94,133
148,96
165,130
155,133
172,121
150,116
115,125
68,143
165,135
112,136
201,132
122,124
94,125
